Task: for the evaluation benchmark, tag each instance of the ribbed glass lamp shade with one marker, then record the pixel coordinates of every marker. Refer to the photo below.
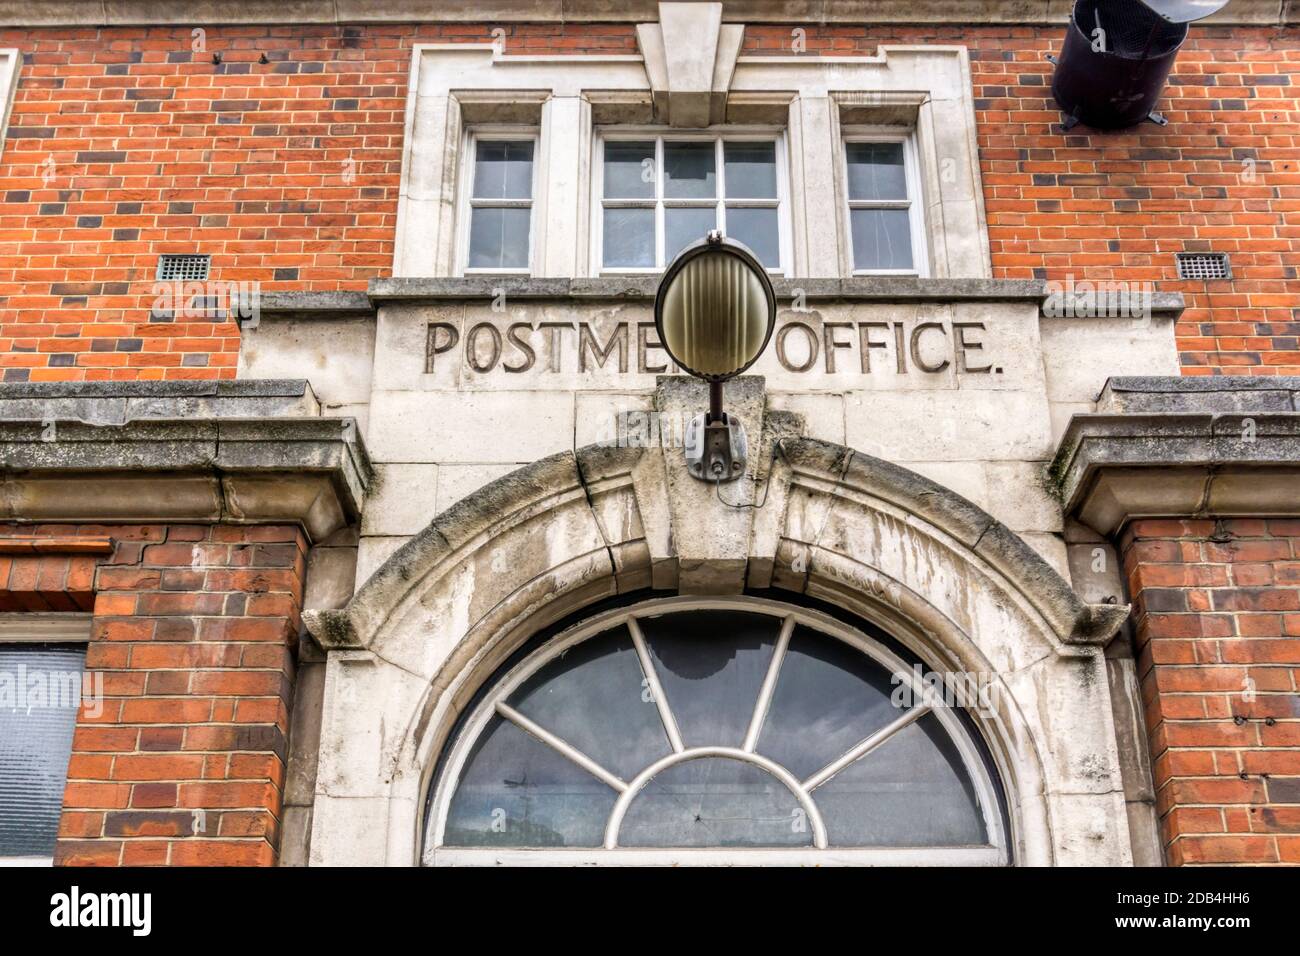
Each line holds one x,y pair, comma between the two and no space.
716,315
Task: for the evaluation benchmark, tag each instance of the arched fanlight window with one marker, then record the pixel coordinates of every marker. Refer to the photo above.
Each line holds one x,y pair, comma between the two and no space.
713,731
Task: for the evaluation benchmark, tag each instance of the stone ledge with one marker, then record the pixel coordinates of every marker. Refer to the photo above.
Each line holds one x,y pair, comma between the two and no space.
1170,448
151,12
1206,393
1116,304
309,471
327,305
858,288
115,403
323,305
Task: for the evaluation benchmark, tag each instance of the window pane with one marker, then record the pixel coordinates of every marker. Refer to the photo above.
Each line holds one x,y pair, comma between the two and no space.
757,229
594,697
715,801
629,170
35,742
912,790
751,170
503,170
882,238
684,226
517,791
498,238
711,665
629,238
876,171
690,170
829,697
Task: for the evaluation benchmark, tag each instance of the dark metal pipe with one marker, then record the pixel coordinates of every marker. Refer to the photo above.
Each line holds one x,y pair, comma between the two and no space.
715,401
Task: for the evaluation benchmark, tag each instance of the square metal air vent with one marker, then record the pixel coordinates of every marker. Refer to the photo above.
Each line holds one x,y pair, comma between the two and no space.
183,267
1203,265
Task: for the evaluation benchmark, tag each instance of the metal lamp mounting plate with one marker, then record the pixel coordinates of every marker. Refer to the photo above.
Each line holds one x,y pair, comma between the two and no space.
716,450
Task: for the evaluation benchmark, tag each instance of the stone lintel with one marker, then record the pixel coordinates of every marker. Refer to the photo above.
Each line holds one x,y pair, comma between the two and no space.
324,305
1183,447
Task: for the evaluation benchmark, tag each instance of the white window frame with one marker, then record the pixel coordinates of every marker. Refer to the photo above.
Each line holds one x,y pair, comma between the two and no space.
718,135
466,203
11,60
995,853
914,203
40,627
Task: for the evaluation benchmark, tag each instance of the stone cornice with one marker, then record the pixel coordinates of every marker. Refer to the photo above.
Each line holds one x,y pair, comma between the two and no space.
99,458
1183,447
35,13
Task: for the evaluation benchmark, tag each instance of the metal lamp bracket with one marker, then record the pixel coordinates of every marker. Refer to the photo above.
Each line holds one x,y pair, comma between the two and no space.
716,448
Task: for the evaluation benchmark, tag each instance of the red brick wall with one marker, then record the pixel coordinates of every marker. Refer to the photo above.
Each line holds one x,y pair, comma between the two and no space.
195,630
50,572
1218,635
125,143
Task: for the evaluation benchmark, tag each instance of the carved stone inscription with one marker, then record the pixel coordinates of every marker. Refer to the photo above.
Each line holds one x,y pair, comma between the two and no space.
919,346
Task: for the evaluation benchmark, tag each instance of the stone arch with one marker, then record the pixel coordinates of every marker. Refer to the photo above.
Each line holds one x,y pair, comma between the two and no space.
945,578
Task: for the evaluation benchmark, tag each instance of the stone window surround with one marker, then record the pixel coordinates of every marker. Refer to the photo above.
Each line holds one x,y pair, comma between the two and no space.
11,61
458,86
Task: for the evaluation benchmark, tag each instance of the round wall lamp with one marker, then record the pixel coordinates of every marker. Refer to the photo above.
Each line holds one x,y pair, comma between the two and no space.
714,312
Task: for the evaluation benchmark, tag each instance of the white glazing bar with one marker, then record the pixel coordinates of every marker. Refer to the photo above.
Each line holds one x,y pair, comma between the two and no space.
546,737
867,745
769,687
695,753
656,690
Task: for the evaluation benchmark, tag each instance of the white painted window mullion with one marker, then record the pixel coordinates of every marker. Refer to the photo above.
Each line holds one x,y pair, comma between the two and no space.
864,747
563,747
769,686
655,688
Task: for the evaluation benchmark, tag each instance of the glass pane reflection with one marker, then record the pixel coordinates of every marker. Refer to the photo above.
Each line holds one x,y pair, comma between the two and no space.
690,170
503,170
629,238
876,171
595,698
912,790
715,801
882,238
829,697
517,791
711,665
